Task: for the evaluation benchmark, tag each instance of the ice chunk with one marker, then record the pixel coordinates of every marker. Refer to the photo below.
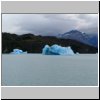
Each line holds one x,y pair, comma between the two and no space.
77,52
54,49
18,51
57,50
45,50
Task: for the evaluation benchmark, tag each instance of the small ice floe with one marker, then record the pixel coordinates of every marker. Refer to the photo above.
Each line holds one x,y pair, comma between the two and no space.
57,50
77,52
18,51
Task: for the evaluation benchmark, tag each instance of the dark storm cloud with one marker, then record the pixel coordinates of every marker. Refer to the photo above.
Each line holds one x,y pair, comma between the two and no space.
49,24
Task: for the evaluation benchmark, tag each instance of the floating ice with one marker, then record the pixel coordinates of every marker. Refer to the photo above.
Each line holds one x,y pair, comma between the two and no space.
77,52
18,51
45,50
57,50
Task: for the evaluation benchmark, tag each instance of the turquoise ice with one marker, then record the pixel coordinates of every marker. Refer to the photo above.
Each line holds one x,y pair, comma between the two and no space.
57,50
18,51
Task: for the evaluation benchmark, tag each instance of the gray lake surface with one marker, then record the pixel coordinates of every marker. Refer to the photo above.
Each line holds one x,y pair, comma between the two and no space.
49,70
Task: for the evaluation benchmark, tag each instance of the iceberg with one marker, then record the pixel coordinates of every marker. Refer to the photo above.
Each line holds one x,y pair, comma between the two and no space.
57,50
45,50
18,51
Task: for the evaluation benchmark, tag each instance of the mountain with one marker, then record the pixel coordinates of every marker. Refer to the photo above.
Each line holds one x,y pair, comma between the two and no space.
90,39
34,44
94,40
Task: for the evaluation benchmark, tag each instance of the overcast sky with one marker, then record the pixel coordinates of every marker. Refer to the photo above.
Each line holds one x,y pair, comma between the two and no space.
49,24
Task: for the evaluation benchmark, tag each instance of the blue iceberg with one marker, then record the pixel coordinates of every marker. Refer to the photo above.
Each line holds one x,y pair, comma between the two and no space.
57,50
18,51
45,50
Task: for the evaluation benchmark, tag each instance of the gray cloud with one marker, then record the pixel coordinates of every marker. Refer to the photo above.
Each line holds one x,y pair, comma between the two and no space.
49,24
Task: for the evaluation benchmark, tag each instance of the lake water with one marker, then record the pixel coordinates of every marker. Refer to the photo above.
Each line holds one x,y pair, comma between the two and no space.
49,70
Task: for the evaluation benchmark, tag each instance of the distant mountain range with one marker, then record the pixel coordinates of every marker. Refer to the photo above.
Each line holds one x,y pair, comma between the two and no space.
90,39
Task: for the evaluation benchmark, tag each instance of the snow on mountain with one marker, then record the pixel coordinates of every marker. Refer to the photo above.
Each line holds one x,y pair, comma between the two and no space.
91,39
